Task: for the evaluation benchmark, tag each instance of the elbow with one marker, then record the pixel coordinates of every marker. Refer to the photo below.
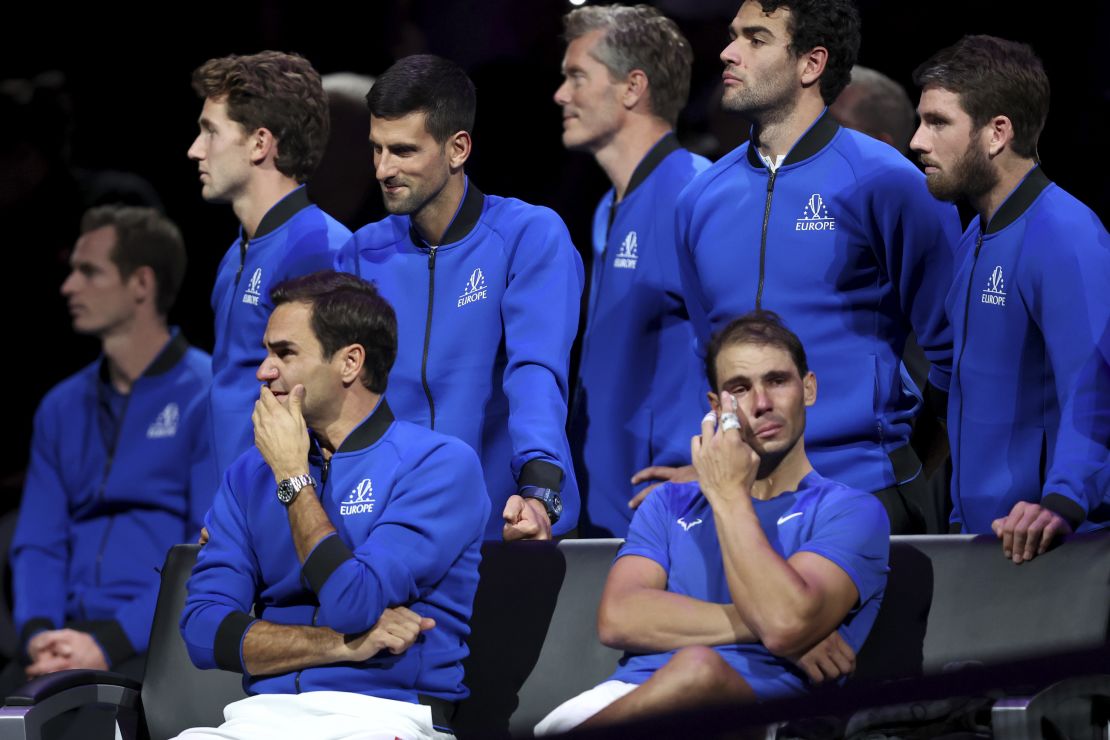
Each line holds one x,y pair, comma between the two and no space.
786,637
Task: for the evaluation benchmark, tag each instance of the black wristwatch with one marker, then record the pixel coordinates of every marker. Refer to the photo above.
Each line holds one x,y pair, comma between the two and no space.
548,497
288,489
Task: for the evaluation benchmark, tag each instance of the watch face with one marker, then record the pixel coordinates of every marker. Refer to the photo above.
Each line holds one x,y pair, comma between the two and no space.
286,491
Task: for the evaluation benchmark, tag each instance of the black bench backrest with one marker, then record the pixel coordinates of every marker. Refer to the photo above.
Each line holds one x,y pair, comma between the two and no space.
176,694
534,637
956,599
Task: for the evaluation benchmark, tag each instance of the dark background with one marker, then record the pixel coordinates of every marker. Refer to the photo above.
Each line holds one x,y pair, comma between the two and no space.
128,69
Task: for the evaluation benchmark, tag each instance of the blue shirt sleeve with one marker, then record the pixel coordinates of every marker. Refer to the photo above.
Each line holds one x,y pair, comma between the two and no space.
851,529
437,509
647,535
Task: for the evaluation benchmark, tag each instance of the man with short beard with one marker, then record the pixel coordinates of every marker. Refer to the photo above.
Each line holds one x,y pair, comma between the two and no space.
757,581
1029,307
836,232
486,291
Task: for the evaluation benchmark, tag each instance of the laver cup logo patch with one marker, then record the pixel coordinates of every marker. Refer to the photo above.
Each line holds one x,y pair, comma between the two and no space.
628,254
815,216
165,424
475,289
360,500
995,292
254,288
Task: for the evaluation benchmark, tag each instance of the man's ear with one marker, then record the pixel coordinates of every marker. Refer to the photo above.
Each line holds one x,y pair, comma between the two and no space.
812,65
143,285
458,149
714,402
636,87
263,145
353,358
1000,135
809,388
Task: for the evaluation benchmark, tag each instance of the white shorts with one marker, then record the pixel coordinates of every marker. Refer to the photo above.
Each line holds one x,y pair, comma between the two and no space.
326,715
578,709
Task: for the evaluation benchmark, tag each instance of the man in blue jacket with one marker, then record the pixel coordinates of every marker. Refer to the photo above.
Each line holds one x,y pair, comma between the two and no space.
1030,305
263,130
486,291
626,75
120,467
354,537
837,233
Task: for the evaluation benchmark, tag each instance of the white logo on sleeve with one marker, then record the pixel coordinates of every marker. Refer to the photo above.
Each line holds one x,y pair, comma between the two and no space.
815,216
995,292
165,424
360,500
254,288
475,289
788,517
628,254
688,525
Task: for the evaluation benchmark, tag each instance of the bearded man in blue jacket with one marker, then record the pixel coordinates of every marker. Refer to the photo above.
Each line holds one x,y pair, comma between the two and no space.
837,233
1030,305
486,290
353,536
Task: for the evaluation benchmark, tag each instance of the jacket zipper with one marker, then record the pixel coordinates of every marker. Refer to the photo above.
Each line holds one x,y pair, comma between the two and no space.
967,312
763,240
428,334
100,492
242,259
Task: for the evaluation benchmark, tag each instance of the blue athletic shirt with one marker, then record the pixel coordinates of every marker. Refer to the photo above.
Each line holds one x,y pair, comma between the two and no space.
674,527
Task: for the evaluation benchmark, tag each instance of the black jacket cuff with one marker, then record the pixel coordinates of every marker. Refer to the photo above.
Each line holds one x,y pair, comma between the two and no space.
229,638
1072,512
329,554
541,474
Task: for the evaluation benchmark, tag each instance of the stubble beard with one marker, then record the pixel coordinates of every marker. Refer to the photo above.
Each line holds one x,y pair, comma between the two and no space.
972,176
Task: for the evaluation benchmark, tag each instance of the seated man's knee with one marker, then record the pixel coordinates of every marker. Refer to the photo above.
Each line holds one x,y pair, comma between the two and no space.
703,668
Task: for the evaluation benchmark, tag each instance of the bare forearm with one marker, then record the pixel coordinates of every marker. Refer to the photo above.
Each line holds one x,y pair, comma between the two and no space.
270,648
308,522
772,599
653,620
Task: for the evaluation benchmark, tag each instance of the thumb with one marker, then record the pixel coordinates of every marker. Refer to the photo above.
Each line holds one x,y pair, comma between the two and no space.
512,510
427,623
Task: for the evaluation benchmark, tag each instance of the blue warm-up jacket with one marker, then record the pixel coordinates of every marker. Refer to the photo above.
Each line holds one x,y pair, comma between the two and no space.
641,389
1030,308
294,238
113,483
485,323
408,506
846,244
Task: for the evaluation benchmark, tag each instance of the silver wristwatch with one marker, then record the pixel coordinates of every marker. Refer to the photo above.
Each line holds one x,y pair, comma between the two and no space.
288,489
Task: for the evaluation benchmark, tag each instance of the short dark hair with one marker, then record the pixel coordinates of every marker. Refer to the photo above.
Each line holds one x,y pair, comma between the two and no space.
144,238
761,327
276,91
833,24
639,37
425,83
993,77
347,310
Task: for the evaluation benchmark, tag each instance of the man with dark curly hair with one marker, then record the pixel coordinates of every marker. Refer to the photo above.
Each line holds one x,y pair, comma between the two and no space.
262,132
836,232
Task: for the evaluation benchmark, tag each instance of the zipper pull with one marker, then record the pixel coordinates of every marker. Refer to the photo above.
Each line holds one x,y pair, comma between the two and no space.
432,257
324,468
